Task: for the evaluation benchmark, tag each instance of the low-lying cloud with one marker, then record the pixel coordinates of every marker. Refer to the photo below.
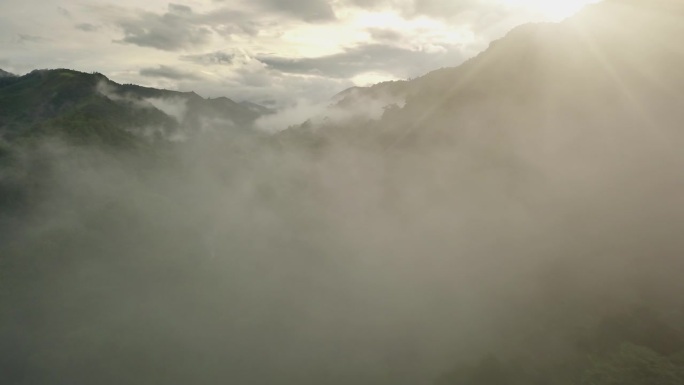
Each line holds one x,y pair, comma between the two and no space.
233,259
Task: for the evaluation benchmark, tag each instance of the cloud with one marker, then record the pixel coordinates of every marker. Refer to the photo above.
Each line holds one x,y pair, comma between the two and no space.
168,73
64,12
360,59
441,9
180,28
307,10
319,113
87,27
211,58
256,83
481,16
25,38
228,21
307,48
382,34
180,9
448,8
174,30
175,107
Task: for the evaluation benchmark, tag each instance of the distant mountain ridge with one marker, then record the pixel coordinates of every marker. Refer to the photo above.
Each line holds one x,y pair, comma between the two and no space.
617,54
5,74
82,104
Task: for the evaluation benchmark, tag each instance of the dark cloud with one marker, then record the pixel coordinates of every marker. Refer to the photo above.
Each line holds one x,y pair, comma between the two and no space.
24,38
87,27
307,10
212,58
432,8
255,83
180,9
448,8
482,17
368,4
268,102
227,21
174,30
367,58
181,28
64,12
167,72
385,34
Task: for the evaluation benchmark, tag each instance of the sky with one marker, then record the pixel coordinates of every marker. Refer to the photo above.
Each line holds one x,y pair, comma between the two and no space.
271,52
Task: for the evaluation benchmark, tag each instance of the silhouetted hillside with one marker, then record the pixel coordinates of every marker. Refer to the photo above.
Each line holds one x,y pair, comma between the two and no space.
617,55
82,105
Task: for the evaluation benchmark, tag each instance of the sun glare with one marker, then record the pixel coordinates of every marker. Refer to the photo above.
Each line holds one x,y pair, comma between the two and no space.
551,10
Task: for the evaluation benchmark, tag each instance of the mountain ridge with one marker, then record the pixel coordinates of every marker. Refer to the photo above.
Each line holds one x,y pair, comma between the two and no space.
63,100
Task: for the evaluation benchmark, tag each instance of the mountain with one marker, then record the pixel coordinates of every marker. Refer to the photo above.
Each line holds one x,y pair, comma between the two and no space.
83,105
5,74
515,220
547,74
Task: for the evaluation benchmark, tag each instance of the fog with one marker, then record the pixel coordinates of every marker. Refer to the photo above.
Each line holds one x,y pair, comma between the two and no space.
290,260
328,112
213,261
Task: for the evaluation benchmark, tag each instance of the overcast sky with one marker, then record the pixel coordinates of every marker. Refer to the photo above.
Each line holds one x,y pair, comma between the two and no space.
260,50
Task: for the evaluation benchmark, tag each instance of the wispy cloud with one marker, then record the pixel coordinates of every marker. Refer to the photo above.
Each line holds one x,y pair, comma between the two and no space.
169,73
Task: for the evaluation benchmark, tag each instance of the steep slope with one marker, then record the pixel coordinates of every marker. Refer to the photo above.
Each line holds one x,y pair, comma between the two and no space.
618,59
68,102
